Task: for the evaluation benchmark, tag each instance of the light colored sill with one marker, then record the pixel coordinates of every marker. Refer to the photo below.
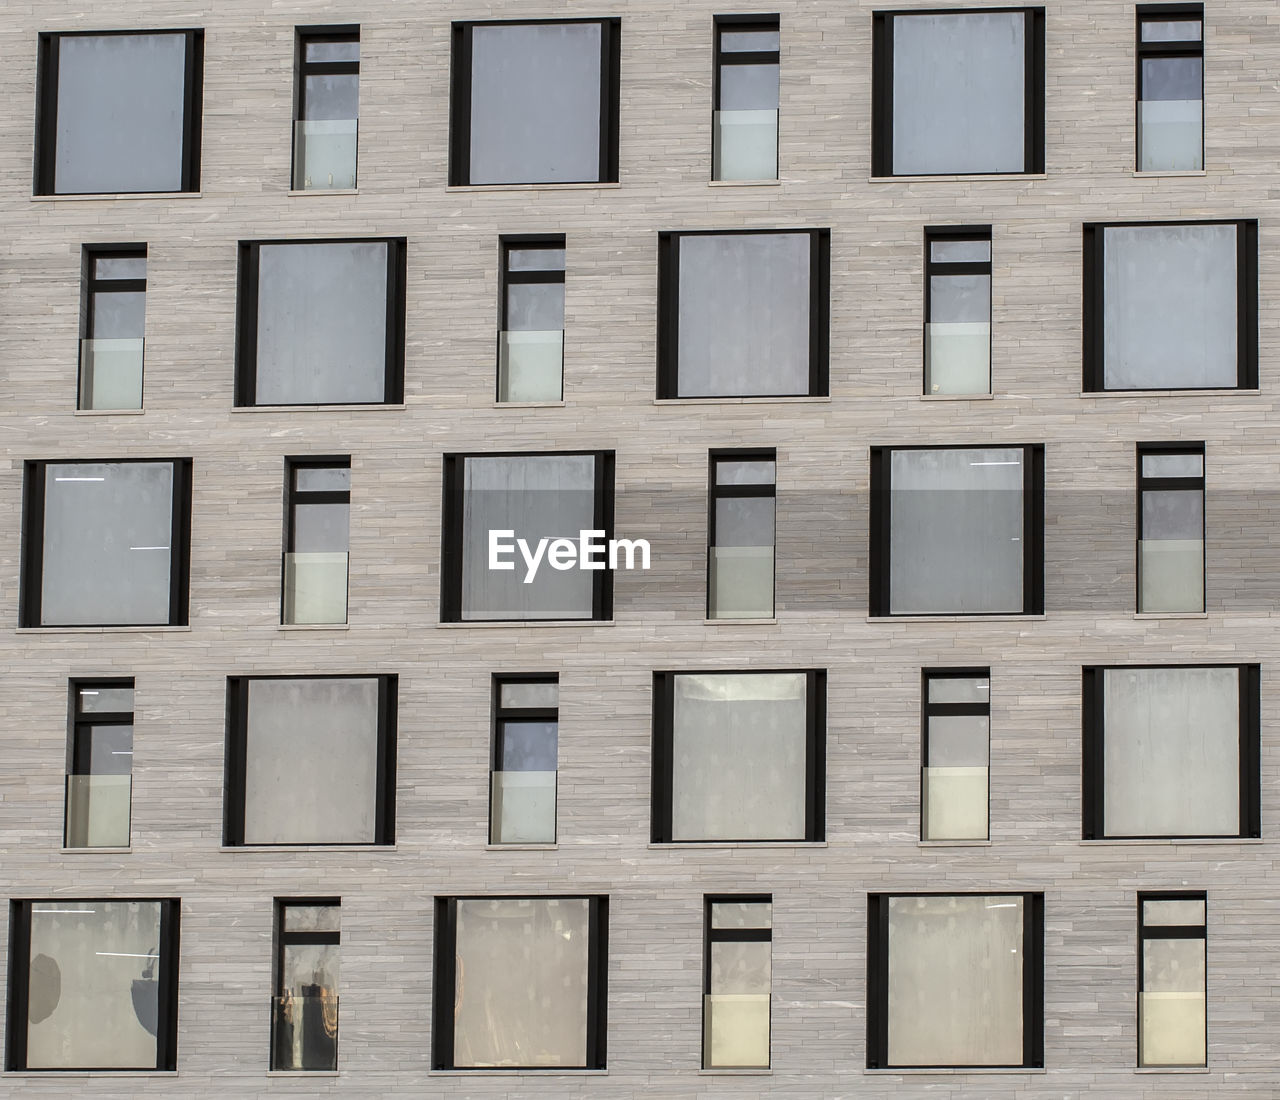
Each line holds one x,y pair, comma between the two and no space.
537,1071
96,851
521,847
532,187
110,412
372,407
979,618
72,1074
674,846
1168,393
799,400
743,183
739,622
103,629
1168,175
269,848
957,397
315,626
1171,841
765,1072
1173,1069
321,191
303,1073
517,624
967,1071
953,843
960,179
123,195
1171,614
528,405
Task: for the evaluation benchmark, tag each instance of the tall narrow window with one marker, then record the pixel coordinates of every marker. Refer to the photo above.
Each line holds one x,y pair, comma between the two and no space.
1172,1023
317,532
304,1010
522,782
957,309
112,324
740,536
1170,528
100,764
737,982
745,124
1170,87
327,108
954,789
531,325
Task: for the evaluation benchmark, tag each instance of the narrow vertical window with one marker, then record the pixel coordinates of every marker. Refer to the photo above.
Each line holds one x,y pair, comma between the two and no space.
113,318
957,309
954,789
304,1010
1172,1024
1170,528
327,108
1170,87
317,536
740,535
531,321
745,122
737,981
99,764
522,782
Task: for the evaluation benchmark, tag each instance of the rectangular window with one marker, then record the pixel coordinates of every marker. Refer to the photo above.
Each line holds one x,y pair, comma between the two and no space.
520,983
99,764
93,984
1170,87
310,760
958,92
500,498
1170,527
1171,306
737,982
321,322
106,543
743,313
955,980
954,787
326,108
745,124
522,782
534,102
112,318
1172,1022
957,309
739,756
531,320
1171,751
957,530
740,535
304,1010
317,538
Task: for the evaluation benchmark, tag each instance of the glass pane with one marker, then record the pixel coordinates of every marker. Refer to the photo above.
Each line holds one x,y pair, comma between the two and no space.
100,699
1183,912
331,96
120,267
111,374
957,357
1173,966
749,88
1173,30
333,51
98,811
955,803
955,298
524,807
1173,1029
1171,552
959,740
309,969
531,366
312,918
321,527
742,582
740,966
324,154
535,259
959,689
536,307
748,41
103,750
1173,465
118,315
754,472
306,1008
322,479
1171,135
529,695
315,587
1171,78
745,145
741,914
528,746
744,521
959,251
1173,514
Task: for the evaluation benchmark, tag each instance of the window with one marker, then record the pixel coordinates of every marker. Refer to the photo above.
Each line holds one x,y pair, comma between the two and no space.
1172,1024
737,980
99,764
520,983
321,323
317,533
522,783
93,984
740,535
957,309
745,127
1171,751
326,108
955,980
954,787
958,92
106,543
112,323
310,760
1171,306
528,497
1170,87
531,321
1170,528
743,313
957,530
534,102
119,112
304,1010
739,756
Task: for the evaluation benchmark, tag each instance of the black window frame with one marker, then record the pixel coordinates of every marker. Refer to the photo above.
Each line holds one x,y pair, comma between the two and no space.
669,311
460,99
1170,932
947,233
1145,51
1147,483
715,492
768,23
518,242
282,939
302,68
712,935
46,143
500,715
92,285
293,496
1033,139
930,710
77,719
1093,739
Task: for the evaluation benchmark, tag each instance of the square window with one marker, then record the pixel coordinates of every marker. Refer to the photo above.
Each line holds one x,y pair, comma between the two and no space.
522,780
531,320
317,540
957,309
321,322
112,322
326,108
745,117
743,313
119,112
737,982
955,792
99,764
304,1008
1172,1017
1170,527
1170,87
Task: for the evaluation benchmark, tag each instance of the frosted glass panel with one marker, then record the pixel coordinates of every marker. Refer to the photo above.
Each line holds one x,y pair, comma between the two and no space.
98,811
741,582
959,689
1173,1029
524,807
531,366
746,145
955,804
1187,913
111,374
1172,575
324,154
1172,135
736,1030
957,357
315,588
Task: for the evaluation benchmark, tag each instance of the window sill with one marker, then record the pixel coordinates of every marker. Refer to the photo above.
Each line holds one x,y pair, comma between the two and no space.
960,179
314,626
766,1072
306,848
297,194
463,189
953,843
104,629
1170,841
517,624
538,1071
967,1071
521,847
1171,614
71,1074
743,183
740,622
799,399
95,851
736,844
528,405
957,397
303,1073
1189,173
112,196
1173,1069
109,412
975,618
371,407
1169,393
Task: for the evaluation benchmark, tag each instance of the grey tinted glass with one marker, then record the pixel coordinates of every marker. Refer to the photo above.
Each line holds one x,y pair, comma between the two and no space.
1176,30
749,88
109,749
332,95
320,479
536,259
120,267
312,918
333,51
120,113
530,695
528,746
954,252
1173,514
535,307
321,528
745,473
748,41
1173,465
958,298
101,700
959,689
741,914
1171,78
744,521
119,316
535,103
958,740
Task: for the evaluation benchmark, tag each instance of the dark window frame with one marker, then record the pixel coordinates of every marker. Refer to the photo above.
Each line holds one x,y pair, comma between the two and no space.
282,939
1149,483
753,490
293,496
1170,932
712,935
930,710
939,233
77,719
92,285
738,24
500,715
302,68
507,278
1145,51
